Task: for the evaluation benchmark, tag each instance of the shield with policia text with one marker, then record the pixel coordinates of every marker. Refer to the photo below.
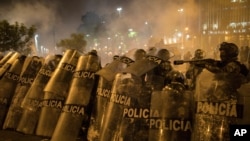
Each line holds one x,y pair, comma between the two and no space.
216,106
55,93
77,107
8,84
32,100
170,116
29,71
6,65
124,94
103,92
5,58
130,97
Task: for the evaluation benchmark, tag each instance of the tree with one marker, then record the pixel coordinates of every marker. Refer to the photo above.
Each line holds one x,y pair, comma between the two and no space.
16,37
76,41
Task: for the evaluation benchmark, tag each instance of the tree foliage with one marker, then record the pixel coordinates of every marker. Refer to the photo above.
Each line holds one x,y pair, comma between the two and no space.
16,37
76,41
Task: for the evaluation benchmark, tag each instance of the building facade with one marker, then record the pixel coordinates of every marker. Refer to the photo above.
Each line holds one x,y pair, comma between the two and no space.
224,20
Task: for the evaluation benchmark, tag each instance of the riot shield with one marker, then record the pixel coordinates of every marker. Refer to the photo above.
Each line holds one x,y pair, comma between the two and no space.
8,85
244,99
124,94
30,69
154,57
103,94
5,58
32,100
104,86
109,71
76,108
216,106
56,91
7,65
153,68
171,114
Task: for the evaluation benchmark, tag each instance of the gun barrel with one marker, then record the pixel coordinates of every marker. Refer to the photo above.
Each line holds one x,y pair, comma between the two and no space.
180,62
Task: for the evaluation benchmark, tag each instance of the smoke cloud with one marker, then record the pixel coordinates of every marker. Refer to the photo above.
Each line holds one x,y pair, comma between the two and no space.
56,20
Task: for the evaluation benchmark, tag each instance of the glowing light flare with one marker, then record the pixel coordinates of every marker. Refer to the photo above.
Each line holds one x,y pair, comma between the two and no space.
180,10
36,41
119,9
179,34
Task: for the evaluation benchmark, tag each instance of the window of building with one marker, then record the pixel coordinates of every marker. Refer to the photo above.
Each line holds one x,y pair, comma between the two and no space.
204,26
232,25
215,26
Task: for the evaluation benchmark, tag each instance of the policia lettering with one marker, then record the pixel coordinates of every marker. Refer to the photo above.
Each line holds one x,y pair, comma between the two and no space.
53,103
126,60
45,72
154,59
155,122
34,102
218,108
84,74
170,124
74,109
67,67
104,92
120,99
26,80
140,113
12,76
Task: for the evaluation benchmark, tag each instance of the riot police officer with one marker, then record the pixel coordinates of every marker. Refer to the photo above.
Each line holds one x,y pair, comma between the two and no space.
218,84
229,65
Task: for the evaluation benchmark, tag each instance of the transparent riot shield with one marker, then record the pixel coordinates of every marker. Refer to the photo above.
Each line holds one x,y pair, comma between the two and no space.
216,106
56,91
153,68
244,99
5,58
30,69
32,100
76,110
142,66
8,85
171,114
109,71
124,94
7,65
103,93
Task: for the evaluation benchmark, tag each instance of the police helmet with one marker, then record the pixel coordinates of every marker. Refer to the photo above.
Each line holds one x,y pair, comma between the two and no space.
231,50
175,76
199,53
164,54
139,54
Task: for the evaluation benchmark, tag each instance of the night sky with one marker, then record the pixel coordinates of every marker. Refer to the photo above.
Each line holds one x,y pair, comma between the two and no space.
57,19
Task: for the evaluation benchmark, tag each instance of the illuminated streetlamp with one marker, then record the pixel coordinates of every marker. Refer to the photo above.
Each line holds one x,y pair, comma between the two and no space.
119,9
36,42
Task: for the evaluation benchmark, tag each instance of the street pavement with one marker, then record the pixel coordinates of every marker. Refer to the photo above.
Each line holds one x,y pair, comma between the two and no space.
8,135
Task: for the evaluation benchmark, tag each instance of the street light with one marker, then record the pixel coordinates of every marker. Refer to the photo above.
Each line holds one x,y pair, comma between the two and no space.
119,9
36,42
